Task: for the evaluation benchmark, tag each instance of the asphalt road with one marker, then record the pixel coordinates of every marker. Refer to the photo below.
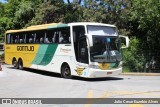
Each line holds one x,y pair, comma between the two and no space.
41,84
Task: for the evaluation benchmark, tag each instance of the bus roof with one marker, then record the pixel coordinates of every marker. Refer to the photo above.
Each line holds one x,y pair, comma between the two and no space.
38,27
56,25
90,23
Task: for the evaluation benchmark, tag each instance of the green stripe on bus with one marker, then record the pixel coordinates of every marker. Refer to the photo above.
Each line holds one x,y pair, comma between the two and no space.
49,54
58,26
40,54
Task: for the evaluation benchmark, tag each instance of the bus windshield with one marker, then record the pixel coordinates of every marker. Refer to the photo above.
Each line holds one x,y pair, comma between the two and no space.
105,49
102,30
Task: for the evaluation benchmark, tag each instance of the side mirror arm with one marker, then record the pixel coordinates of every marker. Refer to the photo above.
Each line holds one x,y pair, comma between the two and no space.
126,39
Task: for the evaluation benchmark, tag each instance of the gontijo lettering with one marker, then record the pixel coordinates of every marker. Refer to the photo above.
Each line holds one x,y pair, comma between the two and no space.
25,48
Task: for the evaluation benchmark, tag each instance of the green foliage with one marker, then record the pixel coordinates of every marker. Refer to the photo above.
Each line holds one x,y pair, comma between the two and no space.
48,12
1,9
2,57
133,59
5,23
11,7
145,17
134,18
24,14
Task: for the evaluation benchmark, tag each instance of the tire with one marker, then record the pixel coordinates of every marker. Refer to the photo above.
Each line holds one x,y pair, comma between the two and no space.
65,71
20,64
14,63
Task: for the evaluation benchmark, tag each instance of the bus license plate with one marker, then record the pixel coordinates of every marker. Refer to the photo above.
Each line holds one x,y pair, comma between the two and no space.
109,72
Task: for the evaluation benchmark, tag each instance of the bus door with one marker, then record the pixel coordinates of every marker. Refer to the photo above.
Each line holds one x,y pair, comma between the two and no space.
83,50
80,45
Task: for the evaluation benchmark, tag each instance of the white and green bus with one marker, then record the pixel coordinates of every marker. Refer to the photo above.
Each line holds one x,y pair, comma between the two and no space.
85,49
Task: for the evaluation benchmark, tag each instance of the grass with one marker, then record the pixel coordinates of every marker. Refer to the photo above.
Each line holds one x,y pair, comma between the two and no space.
125,70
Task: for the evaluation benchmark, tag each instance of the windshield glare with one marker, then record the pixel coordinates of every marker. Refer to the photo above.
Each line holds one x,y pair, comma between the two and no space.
105,49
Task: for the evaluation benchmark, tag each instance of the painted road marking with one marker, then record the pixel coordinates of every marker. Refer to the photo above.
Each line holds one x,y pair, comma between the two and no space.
108,94
90,95
136,105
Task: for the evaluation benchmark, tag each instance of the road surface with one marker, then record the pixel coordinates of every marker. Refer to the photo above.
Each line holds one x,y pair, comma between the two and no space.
41,84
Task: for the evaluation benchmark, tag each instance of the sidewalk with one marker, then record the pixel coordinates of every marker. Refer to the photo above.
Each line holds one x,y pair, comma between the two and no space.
141,74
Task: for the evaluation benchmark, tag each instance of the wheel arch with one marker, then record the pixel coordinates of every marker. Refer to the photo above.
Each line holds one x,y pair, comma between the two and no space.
64,75
14,58
20,59
65,63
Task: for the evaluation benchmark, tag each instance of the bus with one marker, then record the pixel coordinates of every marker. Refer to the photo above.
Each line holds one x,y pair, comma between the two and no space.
85,49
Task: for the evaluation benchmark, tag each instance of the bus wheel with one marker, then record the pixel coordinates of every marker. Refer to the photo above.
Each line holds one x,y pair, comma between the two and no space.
14,63
65,71
20,64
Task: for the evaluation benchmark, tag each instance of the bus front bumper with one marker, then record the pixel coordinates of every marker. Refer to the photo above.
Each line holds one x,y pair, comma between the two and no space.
97,73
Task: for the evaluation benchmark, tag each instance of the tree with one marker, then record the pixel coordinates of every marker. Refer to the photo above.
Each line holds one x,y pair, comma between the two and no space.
75,1
1,9
133,58
146,15
48,12
24,14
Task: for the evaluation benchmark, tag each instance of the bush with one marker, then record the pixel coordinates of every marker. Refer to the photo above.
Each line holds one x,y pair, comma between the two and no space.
2,57
133,58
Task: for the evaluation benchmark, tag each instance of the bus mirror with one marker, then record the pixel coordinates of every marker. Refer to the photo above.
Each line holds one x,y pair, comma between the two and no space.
90,40
124,41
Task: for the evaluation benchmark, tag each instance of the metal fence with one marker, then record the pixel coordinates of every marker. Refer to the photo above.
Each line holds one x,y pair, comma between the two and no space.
152,63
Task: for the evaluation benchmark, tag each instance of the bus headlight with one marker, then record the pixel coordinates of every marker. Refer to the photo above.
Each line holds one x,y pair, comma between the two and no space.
94,66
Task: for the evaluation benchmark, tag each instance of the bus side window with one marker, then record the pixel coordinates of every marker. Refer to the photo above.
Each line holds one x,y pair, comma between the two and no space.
30,40
24,36
16,39
61,38
21,38
46,40
49,36
57,37
8,38
30,37
54,37
64,36
11,37
40,37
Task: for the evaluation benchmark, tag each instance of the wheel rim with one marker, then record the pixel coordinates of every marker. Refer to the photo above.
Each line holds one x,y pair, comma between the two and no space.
66,72
20,64
14,63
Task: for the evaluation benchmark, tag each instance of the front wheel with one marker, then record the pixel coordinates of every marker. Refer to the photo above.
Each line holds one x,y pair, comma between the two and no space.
65,71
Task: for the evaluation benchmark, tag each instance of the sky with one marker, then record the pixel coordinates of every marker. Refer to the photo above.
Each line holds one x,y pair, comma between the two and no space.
2,1
5,1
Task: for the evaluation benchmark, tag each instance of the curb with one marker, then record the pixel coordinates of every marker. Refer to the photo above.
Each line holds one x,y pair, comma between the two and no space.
141,74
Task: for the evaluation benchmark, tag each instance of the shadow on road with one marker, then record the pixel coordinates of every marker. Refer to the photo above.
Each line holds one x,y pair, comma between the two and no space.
57,75
97,79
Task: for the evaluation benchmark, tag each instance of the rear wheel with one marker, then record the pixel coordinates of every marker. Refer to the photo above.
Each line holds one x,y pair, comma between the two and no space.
20,64
14,63
65,71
